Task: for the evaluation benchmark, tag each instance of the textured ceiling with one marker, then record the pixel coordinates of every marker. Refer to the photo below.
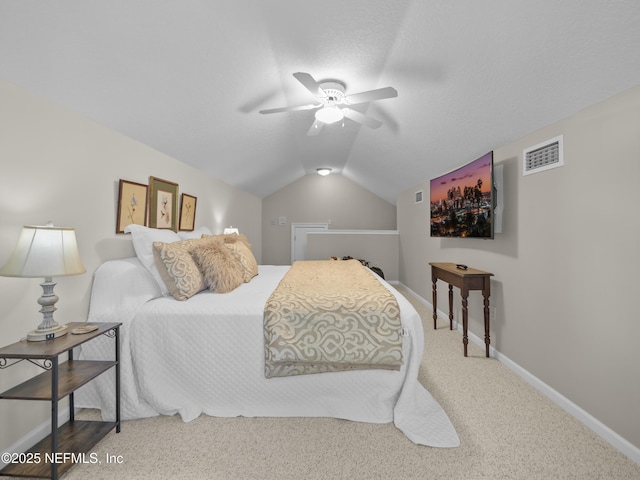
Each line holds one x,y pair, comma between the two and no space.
188,77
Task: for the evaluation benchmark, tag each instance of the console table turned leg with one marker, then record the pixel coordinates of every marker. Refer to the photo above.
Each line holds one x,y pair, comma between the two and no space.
450,307
465,322
487,339
434,297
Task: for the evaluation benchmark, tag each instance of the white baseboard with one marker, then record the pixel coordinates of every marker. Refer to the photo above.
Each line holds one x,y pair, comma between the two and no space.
567,405
595,425
37,434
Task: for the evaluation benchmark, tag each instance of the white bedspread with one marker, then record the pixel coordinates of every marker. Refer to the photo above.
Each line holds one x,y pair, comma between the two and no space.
206,355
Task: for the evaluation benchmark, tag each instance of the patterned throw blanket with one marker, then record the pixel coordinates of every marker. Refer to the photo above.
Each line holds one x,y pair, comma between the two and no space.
329,316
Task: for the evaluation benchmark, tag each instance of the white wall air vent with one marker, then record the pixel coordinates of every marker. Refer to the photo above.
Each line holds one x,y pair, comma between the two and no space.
544,156
419,196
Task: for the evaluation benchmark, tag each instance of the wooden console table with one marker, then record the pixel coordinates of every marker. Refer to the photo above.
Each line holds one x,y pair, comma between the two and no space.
465,280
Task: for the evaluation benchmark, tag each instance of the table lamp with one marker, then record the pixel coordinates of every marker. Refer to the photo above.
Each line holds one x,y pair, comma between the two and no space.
45,251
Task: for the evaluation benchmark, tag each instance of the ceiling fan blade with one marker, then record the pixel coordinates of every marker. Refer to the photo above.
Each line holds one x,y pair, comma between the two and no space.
315,128
378,94
361,118
290,109
310,84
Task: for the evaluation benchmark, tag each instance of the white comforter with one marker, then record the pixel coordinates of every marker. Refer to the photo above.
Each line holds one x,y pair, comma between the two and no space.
206,355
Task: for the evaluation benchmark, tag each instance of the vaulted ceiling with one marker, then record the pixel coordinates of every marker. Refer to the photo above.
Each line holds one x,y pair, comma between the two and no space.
188,77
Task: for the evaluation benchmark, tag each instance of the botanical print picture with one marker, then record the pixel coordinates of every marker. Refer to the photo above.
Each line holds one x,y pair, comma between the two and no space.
163,209
187,212
163,204
132,205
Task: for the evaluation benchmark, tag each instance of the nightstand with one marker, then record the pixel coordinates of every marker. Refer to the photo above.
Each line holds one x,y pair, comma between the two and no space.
56,453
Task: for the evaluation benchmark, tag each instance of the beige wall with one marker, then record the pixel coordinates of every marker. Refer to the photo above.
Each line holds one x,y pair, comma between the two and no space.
332,199
566,284
58,166
378,247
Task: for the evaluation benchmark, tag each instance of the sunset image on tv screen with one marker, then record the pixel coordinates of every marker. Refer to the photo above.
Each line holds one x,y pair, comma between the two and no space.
462,201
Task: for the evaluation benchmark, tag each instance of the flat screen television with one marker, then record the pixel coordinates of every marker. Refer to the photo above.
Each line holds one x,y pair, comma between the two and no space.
463,201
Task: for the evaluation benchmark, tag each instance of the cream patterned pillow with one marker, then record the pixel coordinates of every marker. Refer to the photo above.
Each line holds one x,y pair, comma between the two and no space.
219,268
178,269
231,238
245,258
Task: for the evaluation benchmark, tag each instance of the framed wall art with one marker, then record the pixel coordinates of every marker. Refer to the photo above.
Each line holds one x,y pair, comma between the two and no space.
132,205
187,212
163,204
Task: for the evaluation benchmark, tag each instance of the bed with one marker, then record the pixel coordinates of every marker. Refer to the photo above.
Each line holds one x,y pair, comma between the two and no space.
207,355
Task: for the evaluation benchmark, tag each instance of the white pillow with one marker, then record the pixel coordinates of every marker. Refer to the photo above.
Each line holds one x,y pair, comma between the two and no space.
195,234
143,238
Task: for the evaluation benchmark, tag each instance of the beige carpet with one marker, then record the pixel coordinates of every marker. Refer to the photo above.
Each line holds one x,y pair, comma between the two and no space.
507,430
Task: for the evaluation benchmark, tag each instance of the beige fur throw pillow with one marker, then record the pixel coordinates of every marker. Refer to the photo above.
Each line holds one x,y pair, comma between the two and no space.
220,270
245,258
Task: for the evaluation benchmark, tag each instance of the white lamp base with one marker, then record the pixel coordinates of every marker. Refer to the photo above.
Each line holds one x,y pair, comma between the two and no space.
41,335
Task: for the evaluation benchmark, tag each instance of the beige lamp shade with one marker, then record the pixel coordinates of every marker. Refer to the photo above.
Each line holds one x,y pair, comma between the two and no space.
47,252
44,251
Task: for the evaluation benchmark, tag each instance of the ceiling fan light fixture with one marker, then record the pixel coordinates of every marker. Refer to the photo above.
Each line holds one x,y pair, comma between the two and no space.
323,171
329,114
334,105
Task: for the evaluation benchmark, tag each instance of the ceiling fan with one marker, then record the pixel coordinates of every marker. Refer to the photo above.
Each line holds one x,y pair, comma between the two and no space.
333,104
